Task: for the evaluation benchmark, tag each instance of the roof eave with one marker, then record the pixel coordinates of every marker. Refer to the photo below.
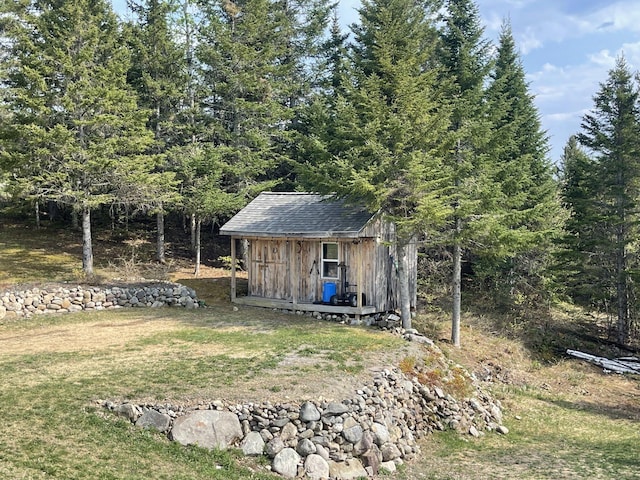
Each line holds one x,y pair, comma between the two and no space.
323,234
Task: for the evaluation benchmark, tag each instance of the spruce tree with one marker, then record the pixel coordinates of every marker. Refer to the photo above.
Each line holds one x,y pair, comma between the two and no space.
531,210
584,268
612,132
382,145
77,129
159,75
465,58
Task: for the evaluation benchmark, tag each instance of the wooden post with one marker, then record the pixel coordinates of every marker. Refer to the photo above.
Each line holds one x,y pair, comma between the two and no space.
294,277
233,268
359,278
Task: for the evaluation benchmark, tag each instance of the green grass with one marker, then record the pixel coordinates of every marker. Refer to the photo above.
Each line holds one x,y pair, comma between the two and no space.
552,439
566,420
52,427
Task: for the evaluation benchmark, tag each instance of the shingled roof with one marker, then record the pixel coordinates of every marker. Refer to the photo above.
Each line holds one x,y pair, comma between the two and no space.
275,214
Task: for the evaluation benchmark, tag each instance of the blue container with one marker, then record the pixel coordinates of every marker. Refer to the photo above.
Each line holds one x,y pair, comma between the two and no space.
328,290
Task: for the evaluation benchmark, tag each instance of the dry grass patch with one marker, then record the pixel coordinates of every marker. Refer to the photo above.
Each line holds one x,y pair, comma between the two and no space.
567,419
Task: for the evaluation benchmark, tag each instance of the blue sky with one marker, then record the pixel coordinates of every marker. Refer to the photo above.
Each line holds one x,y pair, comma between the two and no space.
567,49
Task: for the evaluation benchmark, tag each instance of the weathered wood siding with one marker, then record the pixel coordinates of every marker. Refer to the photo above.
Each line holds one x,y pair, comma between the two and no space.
268,271
291,269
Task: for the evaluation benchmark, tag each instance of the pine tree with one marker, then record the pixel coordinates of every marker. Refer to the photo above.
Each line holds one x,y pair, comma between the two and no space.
612,132
382,145
77,129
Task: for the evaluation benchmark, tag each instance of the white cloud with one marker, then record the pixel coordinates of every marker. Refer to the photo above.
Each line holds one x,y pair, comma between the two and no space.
631,52
603,58
624,15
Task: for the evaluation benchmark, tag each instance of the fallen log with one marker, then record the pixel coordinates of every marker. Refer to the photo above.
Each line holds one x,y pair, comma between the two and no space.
617,365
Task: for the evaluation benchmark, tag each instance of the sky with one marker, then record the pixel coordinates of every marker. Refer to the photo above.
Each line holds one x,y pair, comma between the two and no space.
567,48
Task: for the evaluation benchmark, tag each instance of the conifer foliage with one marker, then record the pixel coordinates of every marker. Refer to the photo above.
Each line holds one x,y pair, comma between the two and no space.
77,132
383,142
604,192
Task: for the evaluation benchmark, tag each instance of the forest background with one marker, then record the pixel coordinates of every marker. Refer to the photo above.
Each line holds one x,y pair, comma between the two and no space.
191,108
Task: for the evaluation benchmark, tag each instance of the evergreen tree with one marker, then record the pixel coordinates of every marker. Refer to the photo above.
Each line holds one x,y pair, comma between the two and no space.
158,73
382,145
532,213
465,58
77,130
612,132
586,269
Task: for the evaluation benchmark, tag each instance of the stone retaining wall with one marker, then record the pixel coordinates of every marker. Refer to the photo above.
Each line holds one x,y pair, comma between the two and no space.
58,299
376,429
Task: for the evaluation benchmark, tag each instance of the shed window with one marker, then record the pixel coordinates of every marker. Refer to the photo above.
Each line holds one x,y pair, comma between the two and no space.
330,260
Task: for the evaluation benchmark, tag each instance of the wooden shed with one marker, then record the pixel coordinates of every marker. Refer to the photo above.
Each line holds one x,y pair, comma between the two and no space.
313,252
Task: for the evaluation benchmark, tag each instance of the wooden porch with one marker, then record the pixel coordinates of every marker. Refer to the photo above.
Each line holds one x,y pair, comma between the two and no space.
305,307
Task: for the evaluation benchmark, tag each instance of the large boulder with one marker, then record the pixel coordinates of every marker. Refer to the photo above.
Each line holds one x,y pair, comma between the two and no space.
207,429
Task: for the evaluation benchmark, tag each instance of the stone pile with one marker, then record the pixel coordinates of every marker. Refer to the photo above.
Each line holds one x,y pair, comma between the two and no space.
58,299
385,321
377,429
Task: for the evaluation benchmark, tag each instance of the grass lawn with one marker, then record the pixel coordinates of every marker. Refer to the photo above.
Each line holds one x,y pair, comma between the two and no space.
567,419
54,368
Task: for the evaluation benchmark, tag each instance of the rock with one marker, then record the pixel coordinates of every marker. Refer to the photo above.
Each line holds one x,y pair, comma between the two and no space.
496,413
305,447
289,432
335,409
322,451
309,412
502,429
348,470
155,420
274,446
388,467
353,434
390,452
3,312
129,411
380,433
286,463
473,431
253,444
316,467
280,422
207,429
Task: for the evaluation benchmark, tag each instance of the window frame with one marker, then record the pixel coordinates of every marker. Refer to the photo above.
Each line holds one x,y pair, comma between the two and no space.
330,261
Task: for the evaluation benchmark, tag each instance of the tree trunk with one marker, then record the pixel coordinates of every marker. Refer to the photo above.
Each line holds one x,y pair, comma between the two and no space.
456,286
193,232
87,248
37,209
622,288
403,283
160,240
197,247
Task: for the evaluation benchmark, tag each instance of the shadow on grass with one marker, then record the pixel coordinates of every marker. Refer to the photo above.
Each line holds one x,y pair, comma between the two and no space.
613,412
